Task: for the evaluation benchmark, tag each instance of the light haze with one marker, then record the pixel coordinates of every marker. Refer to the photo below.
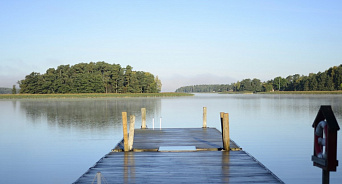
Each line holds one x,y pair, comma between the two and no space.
183,42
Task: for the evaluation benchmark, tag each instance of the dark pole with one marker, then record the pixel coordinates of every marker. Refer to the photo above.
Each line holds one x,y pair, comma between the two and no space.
325,176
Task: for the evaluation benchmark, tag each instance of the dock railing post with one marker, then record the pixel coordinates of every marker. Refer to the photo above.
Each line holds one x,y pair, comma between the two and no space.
204,117
131,132
125,134
143,118
225,132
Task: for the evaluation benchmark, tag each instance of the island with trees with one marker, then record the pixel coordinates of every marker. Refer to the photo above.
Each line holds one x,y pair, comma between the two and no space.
99,77
329,80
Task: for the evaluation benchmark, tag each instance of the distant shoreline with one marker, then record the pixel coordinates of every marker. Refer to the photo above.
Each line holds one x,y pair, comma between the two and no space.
289,92
304,92
91,95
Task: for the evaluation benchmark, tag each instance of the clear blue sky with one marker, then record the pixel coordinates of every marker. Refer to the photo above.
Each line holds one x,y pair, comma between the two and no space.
184,42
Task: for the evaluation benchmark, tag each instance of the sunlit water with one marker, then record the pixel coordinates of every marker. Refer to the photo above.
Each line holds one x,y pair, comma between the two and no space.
57,140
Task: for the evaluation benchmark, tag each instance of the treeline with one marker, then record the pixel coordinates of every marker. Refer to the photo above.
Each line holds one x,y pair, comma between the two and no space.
9,90
99,77
205,88
5,90
329,80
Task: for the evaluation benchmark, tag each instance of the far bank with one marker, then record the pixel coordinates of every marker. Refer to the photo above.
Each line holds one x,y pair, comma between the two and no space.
91,95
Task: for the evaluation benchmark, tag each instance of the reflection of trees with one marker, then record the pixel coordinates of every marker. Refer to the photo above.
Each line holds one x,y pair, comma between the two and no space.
83,113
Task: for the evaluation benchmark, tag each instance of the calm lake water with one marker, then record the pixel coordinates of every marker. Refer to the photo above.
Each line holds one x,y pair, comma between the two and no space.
57,140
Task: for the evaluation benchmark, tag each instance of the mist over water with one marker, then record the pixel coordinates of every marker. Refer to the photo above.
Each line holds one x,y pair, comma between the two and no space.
57,140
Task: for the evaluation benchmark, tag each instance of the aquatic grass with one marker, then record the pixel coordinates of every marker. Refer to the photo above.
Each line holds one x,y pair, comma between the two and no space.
91,95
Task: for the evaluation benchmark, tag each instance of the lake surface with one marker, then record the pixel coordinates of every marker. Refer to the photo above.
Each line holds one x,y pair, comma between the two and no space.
57,140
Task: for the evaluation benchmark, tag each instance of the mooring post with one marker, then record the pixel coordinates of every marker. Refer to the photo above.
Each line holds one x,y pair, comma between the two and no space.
131,132
124,126
204,117
98,177
221,118
143,118
226,140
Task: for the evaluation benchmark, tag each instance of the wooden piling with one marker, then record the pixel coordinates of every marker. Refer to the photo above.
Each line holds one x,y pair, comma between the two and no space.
125,134
204,117
98,177
143,118
221,118
225,132
131,132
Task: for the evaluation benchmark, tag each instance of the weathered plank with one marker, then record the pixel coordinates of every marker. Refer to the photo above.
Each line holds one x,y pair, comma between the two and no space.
209,139
180,167
205,164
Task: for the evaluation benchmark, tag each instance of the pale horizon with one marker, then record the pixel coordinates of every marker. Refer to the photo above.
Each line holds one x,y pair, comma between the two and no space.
181,42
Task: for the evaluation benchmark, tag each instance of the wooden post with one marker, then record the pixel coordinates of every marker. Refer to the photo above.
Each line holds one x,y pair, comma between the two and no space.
98,177
226,140
131,132
143,118
221,117
204,117
124,126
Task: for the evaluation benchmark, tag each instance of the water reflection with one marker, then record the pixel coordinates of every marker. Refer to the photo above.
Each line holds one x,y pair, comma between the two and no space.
63,129
225,166
129,168
87,113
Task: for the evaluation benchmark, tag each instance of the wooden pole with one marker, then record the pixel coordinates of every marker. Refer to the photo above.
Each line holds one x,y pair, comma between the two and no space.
98,177
131,132
204,117
325,176
221,118
143,118
226,140
124,126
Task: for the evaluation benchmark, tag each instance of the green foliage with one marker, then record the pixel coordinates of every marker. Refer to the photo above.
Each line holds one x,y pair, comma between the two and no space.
330,80
14,90
90,77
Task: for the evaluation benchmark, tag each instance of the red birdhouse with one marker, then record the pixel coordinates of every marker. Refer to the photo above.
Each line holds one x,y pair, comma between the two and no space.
325,139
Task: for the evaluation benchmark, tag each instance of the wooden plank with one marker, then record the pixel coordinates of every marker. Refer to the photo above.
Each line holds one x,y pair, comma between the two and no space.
180,167
209,139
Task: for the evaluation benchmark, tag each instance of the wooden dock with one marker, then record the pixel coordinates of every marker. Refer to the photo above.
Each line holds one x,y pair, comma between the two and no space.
204,139
175,155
